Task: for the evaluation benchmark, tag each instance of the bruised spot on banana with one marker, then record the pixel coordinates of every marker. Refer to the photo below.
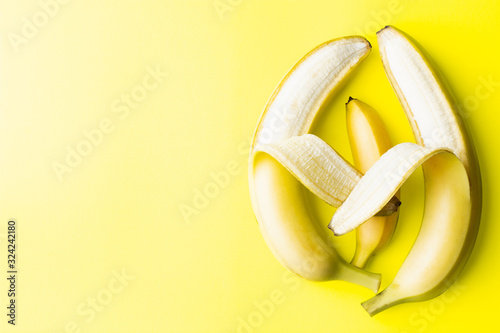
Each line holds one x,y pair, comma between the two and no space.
282,155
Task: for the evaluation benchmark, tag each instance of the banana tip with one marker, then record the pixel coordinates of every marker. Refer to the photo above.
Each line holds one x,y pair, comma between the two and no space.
333,230
369,44
386,27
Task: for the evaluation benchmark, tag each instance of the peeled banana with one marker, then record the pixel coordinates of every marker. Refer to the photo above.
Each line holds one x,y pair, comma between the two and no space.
453,201
369,139
297,240
451,172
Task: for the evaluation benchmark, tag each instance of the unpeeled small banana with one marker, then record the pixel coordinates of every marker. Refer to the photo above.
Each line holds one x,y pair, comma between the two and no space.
369,139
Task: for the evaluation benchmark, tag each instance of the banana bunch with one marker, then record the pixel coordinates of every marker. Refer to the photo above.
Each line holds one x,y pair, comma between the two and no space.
285,158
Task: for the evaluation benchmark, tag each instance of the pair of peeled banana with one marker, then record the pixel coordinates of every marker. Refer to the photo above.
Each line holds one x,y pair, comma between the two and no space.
284,158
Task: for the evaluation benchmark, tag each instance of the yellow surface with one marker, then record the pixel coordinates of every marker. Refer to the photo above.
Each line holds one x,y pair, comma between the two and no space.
132,206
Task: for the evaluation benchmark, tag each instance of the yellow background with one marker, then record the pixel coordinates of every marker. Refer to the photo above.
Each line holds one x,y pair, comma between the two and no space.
119,210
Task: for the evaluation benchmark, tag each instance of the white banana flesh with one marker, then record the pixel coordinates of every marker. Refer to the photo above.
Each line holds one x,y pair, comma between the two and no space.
292,107
286,222
452,180
321,169
318,166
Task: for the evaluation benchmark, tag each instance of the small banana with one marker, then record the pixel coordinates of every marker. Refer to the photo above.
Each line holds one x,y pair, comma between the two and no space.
369,139
288,226
451,172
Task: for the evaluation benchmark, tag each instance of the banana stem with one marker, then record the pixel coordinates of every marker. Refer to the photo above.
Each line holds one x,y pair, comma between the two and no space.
350,273
361,257
380,302
390,208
